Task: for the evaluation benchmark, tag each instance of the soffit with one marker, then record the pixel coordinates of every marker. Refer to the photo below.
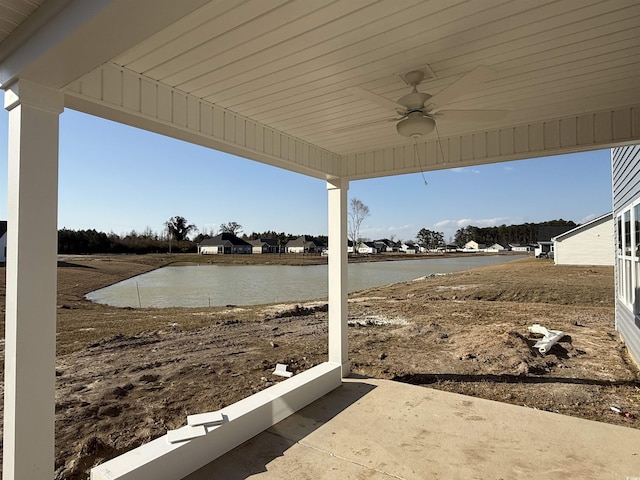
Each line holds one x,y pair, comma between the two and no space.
13,13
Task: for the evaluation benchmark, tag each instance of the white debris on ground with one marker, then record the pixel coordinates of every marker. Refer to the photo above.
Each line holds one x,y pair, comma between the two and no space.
375,321
284,307
430,275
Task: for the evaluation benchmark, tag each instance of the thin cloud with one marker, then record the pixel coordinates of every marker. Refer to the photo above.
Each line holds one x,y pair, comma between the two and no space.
465,170
406,231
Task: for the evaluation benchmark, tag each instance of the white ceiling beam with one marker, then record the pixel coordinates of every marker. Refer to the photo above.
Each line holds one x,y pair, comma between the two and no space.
118,94
590,131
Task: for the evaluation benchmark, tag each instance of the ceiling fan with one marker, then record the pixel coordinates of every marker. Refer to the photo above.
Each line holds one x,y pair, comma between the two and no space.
419,110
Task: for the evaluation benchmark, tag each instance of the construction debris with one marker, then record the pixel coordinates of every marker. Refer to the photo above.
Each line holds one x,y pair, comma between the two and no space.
281,370
550,337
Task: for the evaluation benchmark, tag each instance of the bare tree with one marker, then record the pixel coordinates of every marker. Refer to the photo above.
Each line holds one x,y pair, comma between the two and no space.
231,227
358,212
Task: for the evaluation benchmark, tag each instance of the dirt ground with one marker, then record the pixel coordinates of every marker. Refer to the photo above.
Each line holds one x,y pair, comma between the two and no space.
125,376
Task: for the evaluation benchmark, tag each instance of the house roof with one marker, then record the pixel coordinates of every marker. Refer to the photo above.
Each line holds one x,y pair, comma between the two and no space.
264,241
244,79
585,226
3,227
303,241
546,233
225,239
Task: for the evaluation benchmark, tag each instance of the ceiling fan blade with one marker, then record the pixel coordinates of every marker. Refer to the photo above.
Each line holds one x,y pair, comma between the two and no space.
375,98
365,124
470,115
465,84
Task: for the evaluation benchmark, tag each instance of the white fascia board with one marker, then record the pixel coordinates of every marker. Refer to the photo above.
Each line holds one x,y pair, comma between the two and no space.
584,226
118,94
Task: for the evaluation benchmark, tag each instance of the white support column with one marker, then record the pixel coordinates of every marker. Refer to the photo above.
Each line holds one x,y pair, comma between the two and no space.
338,335
30,318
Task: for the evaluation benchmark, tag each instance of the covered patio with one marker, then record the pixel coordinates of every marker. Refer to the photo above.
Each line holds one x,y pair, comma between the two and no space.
379,429
311,86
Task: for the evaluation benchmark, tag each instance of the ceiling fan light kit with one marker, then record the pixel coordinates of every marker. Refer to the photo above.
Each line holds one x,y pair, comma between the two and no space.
415,125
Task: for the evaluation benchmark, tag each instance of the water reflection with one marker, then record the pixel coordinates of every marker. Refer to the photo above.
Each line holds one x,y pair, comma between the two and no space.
217,285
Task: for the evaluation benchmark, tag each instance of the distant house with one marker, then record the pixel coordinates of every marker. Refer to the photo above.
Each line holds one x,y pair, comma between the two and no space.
473,246
544,249
349,246
409,248
516,247
588,244
265,245
304,244
496,247
381,246
3,241
385,245
225,243
447,248
367,247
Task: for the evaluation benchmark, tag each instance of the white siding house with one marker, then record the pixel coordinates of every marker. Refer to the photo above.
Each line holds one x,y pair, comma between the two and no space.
516,247
264,245
473,246
587,244
367,247
544,249
409,248
304,244
3,242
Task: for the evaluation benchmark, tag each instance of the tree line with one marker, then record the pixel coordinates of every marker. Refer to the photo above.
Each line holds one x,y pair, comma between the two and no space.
174,239
524,234
93,241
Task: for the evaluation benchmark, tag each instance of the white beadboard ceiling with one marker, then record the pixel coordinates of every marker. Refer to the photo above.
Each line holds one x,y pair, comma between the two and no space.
13,13
289,65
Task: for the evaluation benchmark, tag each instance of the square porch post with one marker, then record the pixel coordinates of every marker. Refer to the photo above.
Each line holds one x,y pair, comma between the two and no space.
338,334
30,318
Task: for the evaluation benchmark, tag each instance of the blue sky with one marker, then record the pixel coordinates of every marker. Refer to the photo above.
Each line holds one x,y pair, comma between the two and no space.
117,178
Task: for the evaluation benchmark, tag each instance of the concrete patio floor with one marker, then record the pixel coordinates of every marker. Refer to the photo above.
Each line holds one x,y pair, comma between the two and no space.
379,429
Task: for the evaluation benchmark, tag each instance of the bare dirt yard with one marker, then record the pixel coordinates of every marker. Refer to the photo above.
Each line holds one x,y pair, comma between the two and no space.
125,376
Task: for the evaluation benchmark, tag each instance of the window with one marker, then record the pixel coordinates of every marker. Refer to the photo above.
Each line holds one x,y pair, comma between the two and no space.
619,235
628,255
627,233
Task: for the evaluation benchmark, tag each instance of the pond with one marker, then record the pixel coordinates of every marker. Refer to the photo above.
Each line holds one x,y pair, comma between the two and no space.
218,285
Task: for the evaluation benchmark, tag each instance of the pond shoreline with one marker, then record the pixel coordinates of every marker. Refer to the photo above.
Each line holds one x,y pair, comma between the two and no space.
201,285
